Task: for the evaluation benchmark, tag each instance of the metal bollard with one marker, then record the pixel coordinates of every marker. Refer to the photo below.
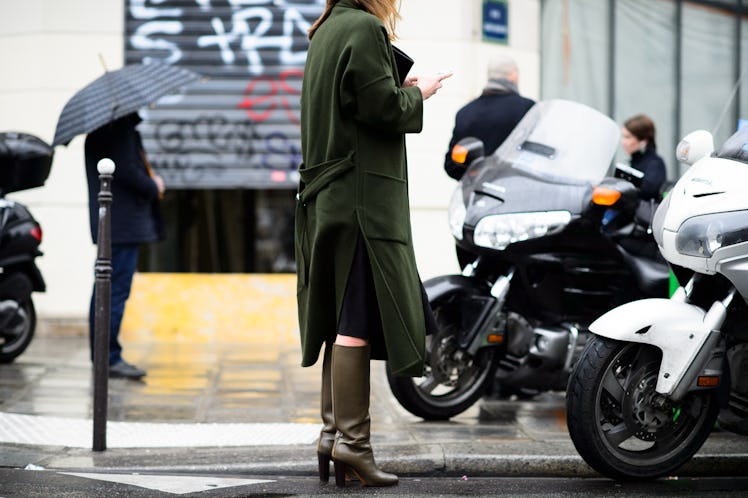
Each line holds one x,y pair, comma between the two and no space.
102,306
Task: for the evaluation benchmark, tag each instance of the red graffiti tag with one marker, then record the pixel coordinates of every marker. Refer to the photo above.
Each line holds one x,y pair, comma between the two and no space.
261,107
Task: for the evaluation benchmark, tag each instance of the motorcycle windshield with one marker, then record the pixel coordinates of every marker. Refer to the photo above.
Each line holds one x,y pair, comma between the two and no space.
735,147
560,141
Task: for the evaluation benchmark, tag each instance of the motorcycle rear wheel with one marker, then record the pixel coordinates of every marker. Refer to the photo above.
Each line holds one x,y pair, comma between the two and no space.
453,380
612,422
17,335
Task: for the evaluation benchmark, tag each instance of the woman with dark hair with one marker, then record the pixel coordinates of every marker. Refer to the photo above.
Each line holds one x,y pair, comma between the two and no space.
638,141
359,293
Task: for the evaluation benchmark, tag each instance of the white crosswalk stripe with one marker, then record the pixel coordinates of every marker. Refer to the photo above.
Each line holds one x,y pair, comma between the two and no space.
170,484
78,433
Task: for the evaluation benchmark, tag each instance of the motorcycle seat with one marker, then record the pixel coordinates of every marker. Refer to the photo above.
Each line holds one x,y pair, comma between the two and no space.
651,275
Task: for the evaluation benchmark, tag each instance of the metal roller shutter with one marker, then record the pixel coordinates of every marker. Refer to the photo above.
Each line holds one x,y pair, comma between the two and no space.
239,128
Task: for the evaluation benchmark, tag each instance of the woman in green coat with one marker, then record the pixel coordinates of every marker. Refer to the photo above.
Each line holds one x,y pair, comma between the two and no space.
358,286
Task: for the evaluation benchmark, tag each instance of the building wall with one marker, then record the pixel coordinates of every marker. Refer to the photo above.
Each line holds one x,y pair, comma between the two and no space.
450,38
50,49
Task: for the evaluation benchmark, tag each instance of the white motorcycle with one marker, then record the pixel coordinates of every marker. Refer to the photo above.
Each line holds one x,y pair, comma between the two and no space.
657,374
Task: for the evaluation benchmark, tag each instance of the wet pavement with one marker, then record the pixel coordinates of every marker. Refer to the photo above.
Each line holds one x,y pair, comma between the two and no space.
192,382
262,409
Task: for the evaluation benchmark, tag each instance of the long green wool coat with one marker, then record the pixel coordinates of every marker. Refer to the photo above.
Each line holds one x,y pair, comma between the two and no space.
354,116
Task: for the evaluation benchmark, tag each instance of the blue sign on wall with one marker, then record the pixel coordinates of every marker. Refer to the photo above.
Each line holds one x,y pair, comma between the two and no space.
495,21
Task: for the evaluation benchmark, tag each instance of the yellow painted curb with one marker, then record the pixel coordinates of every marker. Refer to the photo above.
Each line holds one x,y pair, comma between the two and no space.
189,307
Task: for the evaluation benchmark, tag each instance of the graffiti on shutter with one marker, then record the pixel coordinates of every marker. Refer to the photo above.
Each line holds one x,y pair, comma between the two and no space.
239,126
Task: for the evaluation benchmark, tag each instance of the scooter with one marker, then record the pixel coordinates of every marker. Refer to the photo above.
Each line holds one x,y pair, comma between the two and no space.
540,265
25,162
650,384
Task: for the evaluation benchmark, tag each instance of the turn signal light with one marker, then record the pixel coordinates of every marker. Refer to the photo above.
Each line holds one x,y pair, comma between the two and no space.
604,196
708,381
459,154
495,338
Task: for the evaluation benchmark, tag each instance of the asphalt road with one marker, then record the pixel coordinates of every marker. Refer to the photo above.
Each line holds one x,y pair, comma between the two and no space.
32,484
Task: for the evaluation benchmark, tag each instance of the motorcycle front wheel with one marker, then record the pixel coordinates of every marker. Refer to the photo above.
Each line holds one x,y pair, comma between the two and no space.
17,333
613,422
453,380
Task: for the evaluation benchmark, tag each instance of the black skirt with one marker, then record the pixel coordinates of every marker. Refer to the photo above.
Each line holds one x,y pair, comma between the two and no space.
359,316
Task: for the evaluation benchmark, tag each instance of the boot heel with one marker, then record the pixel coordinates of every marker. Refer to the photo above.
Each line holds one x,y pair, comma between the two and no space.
340,470
323,462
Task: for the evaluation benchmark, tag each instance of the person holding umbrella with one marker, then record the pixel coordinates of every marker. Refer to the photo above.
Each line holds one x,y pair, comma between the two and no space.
106,110
135,216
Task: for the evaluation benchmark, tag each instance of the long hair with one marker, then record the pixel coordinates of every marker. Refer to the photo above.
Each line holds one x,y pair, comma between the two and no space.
386,10
643,128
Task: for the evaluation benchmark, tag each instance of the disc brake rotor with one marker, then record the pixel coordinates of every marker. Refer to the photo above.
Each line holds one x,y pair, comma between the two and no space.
442,358
639,411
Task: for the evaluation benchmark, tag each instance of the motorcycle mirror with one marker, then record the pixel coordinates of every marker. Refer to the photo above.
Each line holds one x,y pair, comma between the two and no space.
694,146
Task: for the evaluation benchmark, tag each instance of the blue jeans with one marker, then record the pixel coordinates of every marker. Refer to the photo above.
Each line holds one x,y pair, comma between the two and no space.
124,264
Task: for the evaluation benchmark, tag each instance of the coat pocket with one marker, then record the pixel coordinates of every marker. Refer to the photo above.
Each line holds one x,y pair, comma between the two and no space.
386,209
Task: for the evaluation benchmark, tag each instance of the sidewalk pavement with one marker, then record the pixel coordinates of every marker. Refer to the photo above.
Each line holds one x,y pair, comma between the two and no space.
249,408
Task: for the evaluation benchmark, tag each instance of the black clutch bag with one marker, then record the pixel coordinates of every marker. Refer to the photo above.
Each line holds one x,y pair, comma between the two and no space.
403,63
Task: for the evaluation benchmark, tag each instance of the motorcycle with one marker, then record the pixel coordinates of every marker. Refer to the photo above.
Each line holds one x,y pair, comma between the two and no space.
25,162
651,382
540,268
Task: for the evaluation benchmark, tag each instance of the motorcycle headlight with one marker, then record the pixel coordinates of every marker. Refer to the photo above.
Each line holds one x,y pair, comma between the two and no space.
701,236
498,231
456,213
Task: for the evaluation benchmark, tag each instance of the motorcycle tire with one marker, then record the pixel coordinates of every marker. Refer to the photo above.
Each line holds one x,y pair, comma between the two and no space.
17,335
614,427
452,382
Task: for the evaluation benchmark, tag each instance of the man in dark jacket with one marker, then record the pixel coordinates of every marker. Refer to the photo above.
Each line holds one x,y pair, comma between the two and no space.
493,115
135,219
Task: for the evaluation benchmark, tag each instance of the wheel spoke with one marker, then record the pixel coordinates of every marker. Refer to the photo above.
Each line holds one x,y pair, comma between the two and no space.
613,387
642,358
618,434
429,384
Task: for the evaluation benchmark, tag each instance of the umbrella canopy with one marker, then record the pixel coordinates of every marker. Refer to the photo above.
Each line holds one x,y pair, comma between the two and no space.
25,161
116,94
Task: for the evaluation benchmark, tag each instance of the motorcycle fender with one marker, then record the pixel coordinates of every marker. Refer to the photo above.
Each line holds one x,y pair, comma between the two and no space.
36,278
677,328
439,288
444,287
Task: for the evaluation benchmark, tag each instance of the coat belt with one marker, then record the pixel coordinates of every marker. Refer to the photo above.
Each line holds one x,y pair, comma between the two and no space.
313,180
317,177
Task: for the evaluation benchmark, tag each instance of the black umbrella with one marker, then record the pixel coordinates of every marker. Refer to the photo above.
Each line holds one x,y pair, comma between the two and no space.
25,161
116,94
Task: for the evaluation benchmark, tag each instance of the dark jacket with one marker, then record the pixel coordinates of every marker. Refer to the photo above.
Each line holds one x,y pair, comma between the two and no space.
135,205
354,117
653,168
490,118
